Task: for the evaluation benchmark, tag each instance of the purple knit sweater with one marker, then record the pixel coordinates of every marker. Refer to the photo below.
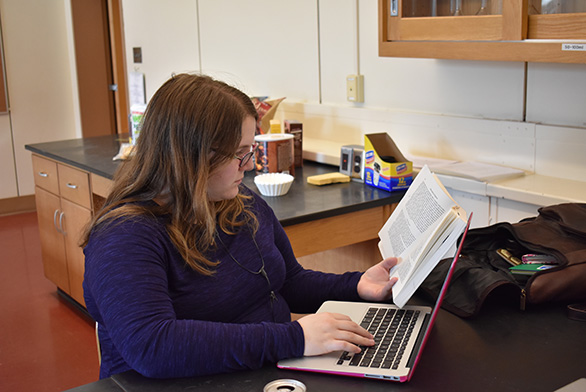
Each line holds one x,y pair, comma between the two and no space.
162,319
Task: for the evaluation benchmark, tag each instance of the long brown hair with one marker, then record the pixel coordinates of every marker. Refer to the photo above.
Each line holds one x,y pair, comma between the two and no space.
192,125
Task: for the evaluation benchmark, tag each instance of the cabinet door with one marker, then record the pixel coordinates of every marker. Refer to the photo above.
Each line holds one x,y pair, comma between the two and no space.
74,222
495,30
52,243
455,20
472,203
513,211
563,20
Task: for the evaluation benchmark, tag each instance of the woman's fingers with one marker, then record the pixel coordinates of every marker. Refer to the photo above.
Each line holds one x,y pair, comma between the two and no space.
349,335
327,332
374,284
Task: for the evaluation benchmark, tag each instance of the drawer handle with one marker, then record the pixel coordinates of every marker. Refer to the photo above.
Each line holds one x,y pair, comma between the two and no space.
70,185
43,174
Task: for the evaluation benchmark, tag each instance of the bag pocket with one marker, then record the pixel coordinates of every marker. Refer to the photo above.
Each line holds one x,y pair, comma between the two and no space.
472,284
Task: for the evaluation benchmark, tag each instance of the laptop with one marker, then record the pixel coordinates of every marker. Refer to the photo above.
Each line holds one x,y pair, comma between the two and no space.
400,336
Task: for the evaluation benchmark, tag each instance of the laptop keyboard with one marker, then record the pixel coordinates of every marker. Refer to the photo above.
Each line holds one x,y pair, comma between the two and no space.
391,329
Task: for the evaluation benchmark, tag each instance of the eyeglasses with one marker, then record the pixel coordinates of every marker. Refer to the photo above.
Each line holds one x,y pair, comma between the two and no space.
244,159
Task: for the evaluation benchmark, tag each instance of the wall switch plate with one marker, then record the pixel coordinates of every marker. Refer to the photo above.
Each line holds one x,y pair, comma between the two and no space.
355,88
137,55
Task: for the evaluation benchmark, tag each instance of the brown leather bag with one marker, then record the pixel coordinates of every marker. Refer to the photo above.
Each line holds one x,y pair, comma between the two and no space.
558,230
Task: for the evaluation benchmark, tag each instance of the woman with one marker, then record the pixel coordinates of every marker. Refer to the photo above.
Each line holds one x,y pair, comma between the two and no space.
188,272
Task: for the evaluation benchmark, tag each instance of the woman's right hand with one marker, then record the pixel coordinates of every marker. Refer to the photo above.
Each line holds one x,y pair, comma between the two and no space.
327,332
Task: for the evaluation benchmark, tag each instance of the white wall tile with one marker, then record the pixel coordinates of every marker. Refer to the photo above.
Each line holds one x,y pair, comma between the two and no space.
168,35
265,47
556,94
561,152
507,143
338,48
513,211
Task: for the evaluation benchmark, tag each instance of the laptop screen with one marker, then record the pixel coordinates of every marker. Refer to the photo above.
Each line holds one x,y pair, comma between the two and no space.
440,297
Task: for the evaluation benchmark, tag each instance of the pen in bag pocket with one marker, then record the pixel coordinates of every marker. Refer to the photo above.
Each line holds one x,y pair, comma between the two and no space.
532,258
509,258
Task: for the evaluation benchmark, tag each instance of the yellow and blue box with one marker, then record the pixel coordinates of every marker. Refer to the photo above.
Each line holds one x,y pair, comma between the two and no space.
385,167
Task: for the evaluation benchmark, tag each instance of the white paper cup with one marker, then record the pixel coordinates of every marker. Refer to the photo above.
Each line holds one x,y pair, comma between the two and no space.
273,184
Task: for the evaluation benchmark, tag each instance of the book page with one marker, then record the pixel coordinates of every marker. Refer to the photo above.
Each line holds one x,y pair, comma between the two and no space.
425,204
405,288
418,254
418,229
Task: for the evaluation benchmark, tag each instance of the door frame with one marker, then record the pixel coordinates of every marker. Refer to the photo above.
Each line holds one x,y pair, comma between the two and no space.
118,56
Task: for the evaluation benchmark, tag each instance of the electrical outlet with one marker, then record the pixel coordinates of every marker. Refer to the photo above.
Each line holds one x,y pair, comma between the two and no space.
355,88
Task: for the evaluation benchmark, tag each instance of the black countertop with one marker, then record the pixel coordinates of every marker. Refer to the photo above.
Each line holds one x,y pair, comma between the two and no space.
502,349
91,154
303,202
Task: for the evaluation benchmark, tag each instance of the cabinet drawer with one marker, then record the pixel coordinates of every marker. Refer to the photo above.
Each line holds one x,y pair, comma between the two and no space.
45,174
74,185
100,185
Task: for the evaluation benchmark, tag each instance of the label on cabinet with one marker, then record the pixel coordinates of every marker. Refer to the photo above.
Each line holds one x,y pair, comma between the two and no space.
574,47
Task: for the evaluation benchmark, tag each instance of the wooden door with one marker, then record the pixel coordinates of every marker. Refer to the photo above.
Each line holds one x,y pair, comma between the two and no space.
99,43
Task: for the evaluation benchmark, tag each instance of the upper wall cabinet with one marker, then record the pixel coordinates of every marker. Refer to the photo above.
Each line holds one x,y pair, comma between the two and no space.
501,30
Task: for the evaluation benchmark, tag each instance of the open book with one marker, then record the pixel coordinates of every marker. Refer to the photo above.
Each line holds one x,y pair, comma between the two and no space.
420,231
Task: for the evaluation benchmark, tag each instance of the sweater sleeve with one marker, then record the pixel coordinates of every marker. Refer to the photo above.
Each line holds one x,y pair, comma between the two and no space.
126,290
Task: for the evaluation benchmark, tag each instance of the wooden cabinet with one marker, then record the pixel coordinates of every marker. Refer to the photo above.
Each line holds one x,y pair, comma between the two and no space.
52,243
63,201
502,30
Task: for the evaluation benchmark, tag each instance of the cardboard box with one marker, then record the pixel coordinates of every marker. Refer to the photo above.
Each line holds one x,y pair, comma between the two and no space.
385,167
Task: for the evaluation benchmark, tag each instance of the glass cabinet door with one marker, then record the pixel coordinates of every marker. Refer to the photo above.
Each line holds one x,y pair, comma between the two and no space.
556,6
500,30
432,8
454,20
557,19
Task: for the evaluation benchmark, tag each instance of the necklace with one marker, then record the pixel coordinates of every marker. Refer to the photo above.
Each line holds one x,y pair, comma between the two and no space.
261,271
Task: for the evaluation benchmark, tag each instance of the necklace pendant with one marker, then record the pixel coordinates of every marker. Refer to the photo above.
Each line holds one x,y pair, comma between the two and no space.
264,273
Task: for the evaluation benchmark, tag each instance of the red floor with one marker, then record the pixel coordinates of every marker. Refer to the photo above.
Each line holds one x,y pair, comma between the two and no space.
45,343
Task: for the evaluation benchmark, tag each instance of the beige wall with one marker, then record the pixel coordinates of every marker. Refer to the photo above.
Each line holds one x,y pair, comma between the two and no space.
41,86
